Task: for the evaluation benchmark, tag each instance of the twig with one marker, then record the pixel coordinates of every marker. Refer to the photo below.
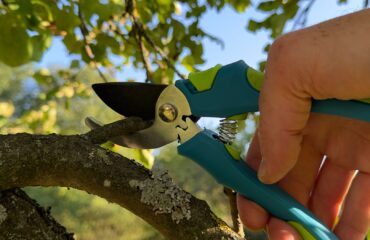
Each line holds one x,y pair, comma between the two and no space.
302,17
366,3
88,50
144,55
159,51
115,129
130,6
237,223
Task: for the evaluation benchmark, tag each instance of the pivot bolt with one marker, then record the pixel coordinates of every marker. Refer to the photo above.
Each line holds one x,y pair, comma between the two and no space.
168,112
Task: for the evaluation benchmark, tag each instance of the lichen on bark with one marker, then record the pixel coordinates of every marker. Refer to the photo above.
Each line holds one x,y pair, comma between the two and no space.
164,195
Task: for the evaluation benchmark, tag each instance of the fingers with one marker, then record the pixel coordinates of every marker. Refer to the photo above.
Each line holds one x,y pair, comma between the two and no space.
298,183
251,214
355,219
253,157
284,107
280,230
300,180
331,188
300,67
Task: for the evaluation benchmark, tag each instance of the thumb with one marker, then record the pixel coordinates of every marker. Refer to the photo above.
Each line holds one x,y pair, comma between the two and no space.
284,108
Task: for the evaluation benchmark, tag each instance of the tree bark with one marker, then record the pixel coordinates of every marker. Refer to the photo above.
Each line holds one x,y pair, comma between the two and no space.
22,218
78,161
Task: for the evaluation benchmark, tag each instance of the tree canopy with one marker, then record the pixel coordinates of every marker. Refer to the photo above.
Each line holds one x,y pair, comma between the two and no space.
163,38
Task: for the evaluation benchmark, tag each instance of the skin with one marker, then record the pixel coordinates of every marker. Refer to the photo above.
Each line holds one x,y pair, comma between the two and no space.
328,60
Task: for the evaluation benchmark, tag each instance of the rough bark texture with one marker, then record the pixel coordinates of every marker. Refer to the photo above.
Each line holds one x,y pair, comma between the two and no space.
22,218
77,161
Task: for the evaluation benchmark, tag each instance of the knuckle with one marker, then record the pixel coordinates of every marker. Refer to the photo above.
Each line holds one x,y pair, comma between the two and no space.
283,51
289,63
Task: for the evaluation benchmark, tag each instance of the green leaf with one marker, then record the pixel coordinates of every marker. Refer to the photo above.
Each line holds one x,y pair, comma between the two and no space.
163,76
277,23
178,30
40,44
75,63
262,66
291,9
269,6
188,62
164,2
66,19
197,11
107,41
253,25
72,44
239,5
267,48
145,13
99,52
15,44
43,76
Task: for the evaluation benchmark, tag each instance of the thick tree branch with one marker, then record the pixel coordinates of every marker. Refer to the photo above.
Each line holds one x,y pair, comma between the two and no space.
22,218
76,161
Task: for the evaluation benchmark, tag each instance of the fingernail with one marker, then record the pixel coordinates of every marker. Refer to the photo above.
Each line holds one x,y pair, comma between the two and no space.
262,171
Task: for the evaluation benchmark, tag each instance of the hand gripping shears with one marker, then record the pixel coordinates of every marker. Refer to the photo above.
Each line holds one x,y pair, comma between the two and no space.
228,92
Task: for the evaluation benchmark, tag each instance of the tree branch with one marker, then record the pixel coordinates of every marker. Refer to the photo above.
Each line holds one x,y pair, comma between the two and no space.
237,223
302,17
115,129
22,218
76,161
145,57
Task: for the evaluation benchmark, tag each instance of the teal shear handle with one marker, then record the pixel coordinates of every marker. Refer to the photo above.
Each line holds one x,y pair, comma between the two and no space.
234,89
231,90
237,175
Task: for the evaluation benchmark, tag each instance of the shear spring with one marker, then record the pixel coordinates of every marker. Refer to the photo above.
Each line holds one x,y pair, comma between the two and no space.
227,130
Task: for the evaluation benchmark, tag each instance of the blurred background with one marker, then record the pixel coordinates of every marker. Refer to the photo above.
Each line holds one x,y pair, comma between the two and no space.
52,51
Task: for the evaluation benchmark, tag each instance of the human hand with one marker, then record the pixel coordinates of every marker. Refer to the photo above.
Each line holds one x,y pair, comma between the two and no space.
328,60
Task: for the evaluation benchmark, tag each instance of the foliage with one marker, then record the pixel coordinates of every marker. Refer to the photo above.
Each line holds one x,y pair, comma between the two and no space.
161,37
150,34
155,35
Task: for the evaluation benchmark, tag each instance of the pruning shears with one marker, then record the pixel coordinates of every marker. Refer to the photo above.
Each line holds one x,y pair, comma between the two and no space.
227,92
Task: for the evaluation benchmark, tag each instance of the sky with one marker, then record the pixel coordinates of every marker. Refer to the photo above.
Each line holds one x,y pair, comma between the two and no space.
231,28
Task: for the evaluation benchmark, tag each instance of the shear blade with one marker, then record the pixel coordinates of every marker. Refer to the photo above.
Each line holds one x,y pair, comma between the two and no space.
130,98
139,99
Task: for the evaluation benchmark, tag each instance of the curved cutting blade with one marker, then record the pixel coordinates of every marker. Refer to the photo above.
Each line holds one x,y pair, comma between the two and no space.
144,100
130,98
161,132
